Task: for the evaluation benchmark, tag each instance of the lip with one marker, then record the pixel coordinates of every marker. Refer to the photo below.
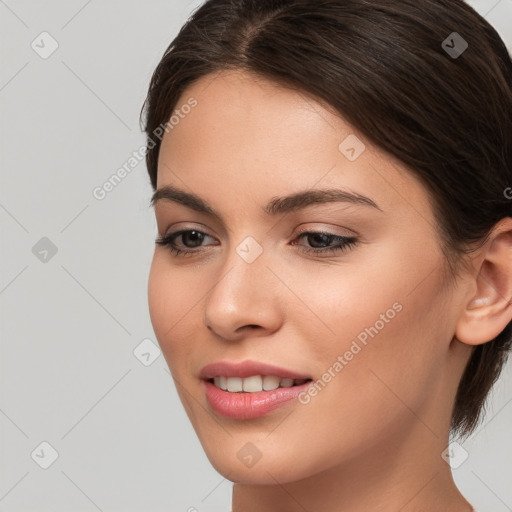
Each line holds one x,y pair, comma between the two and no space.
248,368
245,406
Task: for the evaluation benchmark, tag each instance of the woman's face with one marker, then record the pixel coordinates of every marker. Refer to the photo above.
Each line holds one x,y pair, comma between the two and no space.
371,324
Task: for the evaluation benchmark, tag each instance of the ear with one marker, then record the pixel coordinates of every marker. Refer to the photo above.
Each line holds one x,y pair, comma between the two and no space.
489,310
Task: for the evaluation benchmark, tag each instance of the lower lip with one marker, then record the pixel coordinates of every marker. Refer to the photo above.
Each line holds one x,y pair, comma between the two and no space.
244,406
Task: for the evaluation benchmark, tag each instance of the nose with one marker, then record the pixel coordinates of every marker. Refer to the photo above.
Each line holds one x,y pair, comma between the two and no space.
245,300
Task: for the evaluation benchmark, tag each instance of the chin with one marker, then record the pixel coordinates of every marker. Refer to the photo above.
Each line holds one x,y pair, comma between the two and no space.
232,459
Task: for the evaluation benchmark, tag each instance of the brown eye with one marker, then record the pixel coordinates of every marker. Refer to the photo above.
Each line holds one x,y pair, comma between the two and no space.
191,238
320,242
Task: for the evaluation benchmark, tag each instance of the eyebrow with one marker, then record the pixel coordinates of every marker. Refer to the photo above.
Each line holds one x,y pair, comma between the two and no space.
276,205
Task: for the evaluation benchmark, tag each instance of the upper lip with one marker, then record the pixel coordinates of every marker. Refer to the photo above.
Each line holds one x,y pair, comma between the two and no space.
247,369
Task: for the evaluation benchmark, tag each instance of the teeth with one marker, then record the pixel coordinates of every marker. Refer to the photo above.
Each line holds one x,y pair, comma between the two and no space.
234,384
286,383
255,383
270,382
252,384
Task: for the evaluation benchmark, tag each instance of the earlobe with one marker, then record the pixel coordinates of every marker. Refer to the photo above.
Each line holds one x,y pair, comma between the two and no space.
489,310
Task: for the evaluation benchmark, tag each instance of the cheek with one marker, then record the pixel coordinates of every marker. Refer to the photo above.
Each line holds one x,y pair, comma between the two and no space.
387,320
368,397
172,298
394,347
161,302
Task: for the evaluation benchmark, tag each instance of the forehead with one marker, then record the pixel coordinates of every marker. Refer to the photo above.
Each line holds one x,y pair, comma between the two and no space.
254,138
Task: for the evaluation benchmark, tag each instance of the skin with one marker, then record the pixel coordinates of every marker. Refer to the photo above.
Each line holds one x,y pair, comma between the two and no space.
372,439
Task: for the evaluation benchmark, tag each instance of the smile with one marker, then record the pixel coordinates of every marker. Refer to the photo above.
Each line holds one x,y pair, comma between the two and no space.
255,383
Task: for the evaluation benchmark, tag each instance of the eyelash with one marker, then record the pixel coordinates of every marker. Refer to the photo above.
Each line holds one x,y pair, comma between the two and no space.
346,243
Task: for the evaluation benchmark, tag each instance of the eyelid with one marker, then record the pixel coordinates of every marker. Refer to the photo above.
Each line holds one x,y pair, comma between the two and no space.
162,209
183,226
166,212
331,230
296,232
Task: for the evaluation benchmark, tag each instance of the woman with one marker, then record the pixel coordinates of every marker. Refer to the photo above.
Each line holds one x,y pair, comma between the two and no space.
331,281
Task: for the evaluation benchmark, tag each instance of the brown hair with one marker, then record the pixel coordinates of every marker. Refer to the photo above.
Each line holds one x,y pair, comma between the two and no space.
386,68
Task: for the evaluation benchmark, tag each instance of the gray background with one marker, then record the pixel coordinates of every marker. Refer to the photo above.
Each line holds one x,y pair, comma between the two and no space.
72,320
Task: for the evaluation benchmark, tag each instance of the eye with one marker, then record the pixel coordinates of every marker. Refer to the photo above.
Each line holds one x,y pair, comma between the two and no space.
323,239
189,236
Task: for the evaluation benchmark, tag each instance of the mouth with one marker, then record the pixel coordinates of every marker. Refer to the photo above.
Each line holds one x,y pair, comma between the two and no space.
251,389
246,398
255,383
